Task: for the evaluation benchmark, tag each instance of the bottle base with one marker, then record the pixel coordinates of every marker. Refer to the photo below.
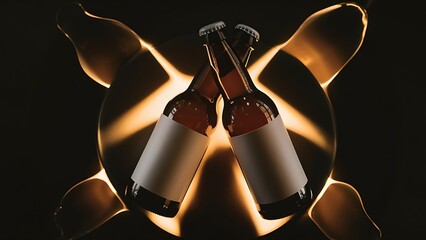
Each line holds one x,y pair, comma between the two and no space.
298,202
150,201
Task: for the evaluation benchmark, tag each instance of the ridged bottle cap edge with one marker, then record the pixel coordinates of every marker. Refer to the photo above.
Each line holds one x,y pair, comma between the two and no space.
248,30
213,27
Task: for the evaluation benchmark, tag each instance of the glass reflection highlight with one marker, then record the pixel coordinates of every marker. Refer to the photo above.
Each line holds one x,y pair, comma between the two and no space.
340,213
86,206
103,45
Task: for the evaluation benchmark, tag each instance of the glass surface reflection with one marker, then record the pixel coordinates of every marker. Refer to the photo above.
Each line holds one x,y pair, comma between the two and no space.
86,206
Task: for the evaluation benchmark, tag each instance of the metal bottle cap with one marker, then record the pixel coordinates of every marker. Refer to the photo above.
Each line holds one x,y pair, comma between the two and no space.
211,28
248,30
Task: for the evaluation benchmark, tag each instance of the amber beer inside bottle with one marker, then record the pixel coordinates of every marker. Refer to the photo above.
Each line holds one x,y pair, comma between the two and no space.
257,134
193,109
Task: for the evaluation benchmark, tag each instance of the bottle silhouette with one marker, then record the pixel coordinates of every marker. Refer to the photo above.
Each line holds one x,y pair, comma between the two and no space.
257,134
180,138
103,45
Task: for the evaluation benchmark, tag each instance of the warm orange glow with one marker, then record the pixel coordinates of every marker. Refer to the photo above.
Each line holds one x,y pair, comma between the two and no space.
104,177
324,56
315,52
170,225
101,55
347,203
91,202
148,110
326,185
143,114
262,225
292,118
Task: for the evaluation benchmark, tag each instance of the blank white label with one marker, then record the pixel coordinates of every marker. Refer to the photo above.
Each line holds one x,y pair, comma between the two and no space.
269,162
170,159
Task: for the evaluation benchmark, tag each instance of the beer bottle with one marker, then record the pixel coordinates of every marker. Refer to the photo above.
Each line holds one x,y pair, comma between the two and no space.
257,134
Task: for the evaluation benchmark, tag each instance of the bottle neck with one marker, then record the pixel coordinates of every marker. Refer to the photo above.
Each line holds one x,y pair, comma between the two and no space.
204,82
243,45
73,21
230,73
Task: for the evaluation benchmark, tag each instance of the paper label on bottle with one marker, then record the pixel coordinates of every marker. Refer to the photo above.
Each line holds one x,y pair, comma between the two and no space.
269,162
170,159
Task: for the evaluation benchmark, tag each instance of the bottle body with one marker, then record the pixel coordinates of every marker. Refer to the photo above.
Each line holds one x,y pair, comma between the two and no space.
173,153
179,140
266,155
257,134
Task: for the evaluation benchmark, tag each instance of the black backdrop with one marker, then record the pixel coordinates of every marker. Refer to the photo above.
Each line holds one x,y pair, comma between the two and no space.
50,107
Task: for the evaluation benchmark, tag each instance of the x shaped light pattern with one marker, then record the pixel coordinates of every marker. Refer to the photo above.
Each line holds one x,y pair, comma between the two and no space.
308,44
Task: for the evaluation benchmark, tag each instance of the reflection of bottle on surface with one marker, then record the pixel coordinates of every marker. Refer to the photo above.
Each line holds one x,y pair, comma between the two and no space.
180,138
103,45
258,137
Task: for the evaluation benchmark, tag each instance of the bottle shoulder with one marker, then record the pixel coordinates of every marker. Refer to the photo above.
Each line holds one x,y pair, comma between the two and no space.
187,100
254,101
247,113
192,110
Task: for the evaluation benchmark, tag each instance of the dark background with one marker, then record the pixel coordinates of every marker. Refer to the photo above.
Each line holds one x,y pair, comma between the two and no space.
50,107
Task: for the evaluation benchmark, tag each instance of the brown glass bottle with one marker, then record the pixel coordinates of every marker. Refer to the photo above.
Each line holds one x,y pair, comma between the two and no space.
257,134
180,139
